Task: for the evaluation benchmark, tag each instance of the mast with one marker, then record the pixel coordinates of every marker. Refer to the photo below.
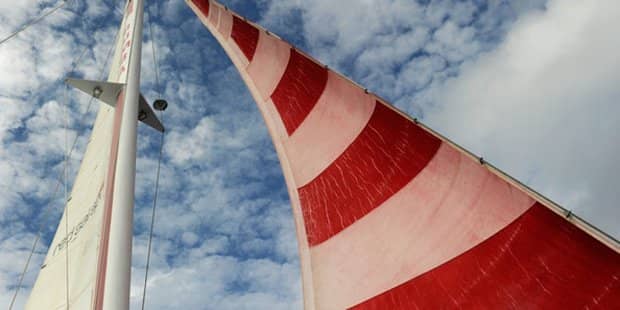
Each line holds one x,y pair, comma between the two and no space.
114,272
91,249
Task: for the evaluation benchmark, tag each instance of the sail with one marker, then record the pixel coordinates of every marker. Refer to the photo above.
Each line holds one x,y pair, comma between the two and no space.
390,215
73,256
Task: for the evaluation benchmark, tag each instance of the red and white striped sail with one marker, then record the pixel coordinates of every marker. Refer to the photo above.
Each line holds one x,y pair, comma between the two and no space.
392,216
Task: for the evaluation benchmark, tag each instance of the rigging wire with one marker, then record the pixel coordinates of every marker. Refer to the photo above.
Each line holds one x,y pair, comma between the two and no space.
59,182
66,184
116,8
34,21
161,150
148,251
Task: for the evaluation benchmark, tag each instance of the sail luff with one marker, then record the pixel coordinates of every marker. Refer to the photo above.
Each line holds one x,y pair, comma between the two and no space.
303,248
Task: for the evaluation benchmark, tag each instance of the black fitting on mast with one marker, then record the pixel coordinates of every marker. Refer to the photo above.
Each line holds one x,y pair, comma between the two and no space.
97,91
160,105
142,115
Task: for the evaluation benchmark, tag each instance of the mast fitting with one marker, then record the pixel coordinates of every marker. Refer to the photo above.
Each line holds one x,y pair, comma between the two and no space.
160,105
97,91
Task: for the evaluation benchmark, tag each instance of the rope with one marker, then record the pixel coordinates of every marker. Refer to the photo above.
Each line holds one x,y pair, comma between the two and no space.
34,22
148,251
47,210
116,8
66,184
161,149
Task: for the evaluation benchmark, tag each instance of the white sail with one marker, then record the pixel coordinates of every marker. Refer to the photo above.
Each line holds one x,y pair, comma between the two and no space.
73,256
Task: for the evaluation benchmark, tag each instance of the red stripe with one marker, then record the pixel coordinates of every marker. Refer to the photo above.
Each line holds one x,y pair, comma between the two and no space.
246,36
299,90
386,155
203,6
102,261
540,261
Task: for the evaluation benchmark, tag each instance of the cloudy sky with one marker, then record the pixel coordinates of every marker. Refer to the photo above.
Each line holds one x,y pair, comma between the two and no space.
532,86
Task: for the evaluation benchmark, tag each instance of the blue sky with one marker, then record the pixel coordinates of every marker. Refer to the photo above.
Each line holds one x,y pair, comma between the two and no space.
530,85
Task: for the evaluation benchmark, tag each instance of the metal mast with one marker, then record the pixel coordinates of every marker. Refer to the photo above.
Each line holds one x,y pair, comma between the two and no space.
92,253
122,91
118,274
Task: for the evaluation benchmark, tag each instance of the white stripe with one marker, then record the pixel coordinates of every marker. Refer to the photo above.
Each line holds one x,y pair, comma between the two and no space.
224,26
269,63
451,206
214,14
342,112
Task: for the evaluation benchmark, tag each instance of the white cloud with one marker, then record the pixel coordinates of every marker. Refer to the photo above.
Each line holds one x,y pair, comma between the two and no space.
544,106
13,111
18,68
224,282
453,42
14,13
13,248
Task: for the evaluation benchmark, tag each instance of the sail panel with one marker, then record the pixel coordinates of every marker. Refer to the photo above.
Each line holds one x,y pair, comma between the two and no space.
83,213
539,261
224,25
344,109
449,207
214,15
203,6
246,37
385,156
270,61
299,89
405,205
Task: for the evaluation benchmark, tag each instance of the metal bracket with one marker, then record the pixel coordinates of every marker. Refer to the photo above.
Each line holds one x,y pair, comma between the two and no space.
107,92
147,116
